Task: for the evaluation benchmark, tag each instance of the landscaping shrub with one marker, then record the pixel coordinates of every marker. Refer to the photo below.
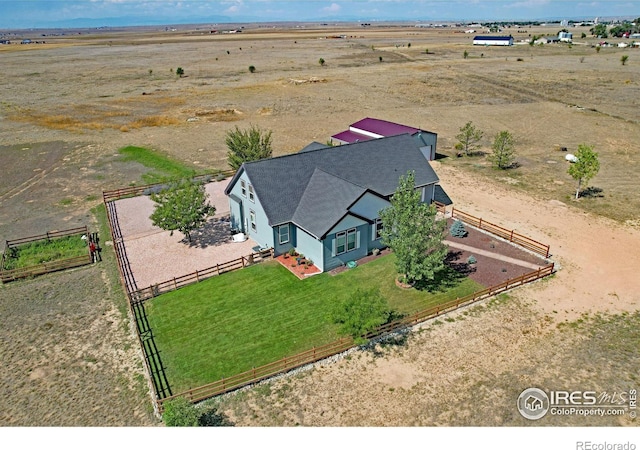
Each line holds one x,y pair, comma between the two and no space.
361,313
471,260
458,229
180,413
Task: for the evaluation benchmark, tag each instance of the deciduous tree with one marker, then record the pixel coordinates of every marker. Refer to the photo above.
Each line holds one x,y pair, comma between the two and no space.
585,167
411,230
183,206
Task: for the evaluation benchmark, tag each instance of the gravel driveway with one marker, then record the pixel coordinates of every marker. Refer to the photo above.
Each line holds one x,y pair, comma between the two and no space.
156,256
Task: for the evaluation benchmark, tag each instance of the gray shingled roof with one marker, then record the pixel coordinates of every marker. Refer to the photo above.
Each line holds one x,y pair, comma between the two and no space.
314,146
325,202
281,183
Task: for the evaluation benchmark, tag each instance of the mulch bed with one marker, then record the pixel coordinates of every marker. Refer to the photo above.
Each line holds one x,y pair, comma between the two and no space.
301,271
489,271
486,271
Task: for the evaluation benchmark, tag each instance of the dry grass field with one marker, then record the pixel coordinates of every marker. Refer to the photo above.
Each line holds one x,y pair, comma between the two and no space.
67,106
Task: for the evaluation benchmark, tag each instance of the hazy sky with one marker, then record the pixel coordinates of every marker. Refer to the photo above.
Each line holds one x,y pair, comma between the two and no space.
43,13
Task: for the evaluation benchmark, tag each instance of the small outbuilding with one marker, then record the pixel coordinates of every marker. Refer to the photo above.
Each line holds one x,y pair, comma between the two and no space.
493,40
565,36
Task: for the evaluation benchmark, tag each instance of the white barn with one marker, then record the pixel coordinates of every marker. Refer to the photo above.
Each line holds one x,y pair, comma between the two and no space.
493,40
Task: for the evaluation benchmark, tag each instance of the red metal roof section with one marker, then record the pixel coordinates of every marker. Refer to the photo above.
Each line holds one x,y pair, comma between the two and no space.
351,137
383,127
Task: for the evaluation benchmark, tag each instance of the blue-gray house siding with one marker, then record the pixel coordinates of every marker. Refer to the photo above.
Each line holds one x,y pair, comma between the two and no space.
248,215
325,202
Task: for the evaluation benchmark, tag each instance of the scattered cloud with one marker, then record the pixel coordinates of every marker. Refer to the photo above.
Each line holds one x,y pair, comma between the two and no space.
333,8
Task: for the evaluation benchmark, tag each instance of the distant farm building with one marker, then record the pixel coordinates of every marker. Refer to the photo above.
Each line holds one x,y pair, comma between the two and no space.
493,40
370,128
565,36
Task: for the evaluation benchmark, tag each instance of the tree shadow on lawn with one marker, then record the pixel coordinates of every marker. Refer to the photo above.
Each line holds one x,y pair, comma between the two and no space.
449,277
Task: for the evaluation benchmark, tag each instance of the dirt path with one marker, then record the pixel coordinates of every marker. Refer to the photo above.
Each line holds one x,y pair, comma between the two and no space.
599,258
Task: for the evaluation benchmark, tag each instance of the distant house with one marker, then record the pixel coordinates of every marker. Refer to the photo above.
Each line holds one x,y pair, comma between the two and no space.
493,40
369,128
325,202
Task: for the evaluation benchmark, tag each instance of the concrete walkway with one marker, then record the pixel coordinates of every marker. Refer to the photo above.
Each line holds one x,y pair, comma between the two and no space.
493,255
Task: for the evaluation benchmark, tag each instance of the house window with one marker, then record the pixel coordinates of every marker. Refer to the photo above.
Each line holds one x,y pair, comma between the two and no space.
243,188
252,220
351,240
378,229
341,242
346,241
251,196
283,234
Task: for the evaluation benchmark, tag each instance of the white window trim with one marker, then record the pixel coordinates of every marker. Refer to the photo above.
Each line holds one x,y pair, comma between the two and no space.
280,235
243,188
338,236
252,195
352,232
252,220
376,234
346,234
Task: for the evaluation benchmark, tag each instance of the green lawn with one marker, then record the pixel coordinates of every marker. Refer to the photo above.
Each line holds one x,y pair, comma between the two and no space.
39,252
251,317
163,168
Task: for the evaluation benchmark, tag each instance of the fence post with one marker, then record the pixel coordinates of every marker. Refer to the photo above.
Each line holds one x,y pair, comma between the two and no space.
175,286
511,238
218,269
197,277
480,224
242,258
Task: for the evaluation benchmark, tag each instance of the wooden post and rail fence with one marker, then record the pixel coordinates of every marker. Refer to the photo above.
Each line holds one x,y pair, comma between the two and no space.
147,293
137,298
134,191
315,354
46,267
509,235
